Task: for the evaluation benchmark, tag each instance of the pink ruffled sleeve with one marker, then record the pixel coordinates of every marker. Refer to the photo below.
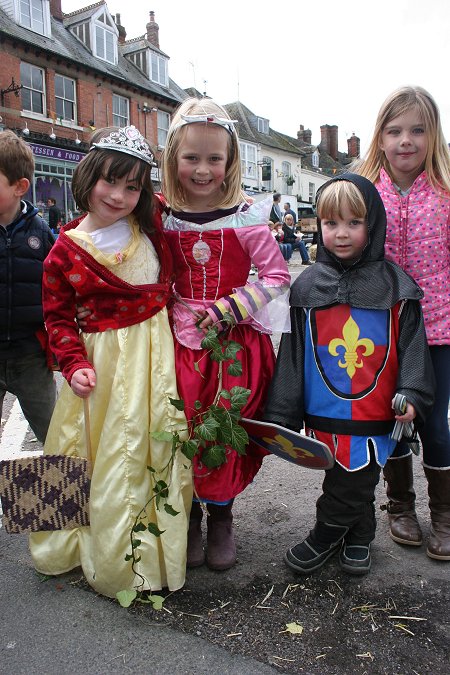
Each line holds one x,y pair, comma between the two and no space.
264,302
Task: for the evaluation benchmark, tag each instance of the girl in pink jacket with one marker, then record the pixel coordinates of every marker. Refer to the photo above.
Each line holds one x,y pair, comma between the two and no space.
409,162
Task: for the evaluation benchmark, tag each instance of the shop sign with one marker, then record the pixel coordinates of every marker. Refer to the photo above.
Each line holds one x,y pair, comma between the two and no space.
56,153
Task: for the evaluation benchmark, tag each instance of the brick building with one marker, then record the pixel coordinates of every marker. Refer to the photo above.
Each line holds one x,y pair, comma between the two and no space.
63,75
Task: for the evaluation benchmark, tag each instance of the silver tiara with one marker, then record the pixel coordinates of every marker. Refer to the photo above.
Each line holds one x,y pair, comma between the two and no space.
212,118
128,140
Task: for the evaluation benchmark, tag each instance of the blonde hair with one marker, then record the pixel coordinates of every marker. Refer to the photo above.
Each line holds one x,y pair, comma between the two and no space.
335,195
231,189
437,161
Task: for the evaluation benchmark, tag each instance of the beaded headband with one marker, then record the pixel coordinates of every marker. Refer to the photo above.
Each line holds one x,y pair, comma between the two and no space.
212,118
128,140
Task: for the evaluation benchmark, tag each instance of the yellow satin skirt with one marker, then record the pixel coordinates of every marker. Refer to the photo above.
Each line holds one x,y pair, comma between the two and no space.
135,378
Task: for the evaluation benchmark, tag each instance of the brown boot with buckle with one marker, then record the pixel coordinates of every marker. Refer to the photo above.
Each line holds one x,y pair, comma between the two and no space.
195,552
221,547
439,493
404,526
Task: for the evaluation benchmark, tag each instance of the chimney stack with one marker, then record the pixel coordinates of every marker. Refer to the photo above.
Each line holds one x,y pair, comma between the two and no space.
304,134
353,146
55,9
329,140
153,31
121,29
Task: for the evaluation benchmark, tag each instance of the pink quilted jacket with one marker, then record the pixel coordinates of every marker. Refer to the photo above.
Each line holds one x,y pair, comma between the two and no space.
418,239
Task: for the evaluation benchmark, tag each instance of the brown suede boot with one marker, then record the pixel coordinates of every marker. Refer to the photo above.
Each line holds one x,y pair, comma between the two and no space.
404,526
439,493
221,547
195,552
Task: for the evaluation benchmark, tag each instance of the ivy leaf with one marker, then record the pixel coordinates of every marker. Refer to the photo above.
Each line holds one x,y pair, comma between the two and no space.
135,543
157,601
239,396
170,510
151,469
153,529
139,527
128,557
234,415
214,456
231,349
197,405
197,369
189,449
217,355
219,414
210,340
239,439
161,489
162,436
225,394
224,432
294,628
126,598
235,369
207,429
178,403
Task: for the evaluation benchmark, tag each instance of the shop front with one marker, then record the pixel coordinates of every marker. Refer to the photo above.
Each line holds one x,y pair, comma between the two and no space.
54,169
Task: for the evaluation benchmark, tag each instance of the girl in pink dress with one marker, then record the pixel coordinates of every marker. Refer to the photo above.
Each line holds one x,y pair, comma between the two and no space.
215,236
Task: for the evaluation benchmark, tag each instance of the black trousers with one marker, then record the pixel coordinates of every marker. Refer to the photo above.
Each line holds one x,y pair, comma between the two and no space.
348,499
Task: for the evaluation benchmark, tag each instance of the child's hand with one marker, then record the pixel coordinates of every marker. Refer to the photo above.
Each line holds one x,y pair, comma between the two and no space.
409,415
82,313
83,382
205,322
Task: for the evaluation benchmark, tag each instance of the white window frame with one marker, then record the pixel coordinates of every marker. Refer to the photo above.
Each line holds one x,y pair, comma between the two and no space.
263,125
163,127
158,70
315,159
120,112
311,192
37,18
109,39
32,89
249,164
65,99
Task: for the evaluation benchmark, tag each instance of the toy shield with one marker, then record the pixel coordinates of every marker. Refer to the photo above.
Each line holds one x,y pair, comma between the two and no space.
289,445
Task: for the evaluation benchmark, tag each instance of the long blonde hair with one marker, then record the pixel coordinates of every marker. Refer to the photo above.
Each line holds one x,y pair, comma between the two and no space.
437,161
231,189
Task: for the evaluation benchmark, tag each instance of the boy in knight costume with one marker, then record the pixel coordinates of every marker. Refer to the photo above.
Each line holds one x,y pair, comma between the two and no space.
357,340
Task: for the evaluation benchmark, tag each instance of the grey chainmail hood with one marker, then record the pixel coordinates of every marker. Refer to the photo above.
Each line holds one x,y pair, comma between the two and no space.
371,282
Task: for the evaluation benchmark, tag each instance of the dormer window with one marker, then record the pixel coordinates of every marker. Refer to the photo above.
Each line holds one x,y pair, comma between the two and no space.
105,43
263,125
315,159
34,14
158,71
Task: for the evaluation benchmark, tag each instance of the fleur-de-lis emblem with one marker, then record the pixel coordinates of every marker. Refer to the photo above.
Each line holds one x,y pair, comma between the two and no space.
351,342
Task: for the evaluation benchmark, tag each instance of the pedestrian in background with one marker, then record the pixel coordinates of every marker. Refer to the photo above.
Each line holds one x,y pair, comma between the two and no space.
409,162
357,340
214,236
25,240
54,215
294,238
275,214
287,209
115,262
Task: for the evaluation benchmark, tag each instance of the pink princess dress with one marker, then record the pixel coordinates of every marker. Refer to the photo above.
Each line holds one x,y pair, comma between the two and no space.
213,253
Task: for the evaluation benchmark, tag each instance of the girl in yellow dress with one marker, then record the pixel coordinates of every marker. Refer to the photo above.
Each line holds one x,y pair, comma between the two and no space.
115,262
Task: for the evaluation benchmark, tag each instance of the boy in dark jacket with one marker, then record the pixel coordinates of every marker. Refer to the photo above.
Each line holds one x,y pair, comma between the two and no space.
25,240
357,341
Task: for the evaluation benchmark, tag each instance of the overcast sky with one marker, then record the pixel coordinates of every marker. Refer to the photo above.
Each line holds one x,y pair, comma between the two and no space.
311,63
